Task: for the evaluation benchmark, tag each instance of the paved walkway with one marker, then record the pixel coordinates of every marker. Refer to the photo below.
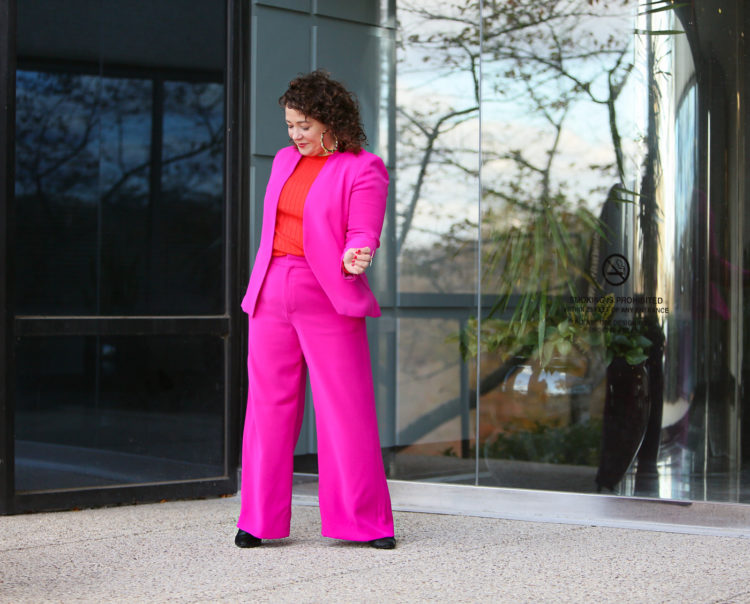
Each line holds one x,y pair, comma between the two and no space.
184,552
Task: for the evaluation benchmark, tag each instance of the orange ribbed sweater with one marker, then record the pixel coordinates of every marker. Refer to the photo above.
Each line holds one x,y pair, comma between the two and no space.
287,237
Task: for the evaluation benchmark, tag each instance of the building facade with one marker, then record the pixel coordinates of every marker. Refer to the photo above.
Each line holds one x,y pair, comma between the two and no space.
562,271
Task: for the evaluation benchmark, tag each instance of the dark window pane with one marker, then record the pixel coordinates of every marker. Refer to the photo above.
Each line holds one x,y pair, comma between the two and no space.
188,252
57,176
118,410
126,198
119,195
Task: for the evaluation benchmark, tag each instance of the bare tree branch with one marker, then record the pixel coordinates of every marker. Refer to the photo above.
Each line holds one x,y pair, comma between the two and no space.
429,147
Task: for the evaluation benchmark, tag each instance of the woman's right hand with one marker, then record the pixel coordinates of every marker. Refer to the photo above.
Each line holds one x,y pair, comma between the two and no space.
357,260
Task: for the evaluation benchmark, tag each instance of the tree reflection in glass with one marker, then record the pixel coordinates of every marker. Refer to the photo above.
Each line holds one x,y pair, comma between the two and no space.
562,160
119,191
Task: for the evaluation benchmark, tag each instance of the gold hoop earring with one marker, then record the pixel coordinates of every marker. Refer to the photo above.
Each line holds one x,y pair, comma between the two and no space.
323,144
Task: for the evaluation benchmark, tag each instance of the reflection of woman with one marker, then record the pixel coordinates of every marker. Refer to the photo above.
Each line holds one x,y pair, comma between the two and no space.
307,300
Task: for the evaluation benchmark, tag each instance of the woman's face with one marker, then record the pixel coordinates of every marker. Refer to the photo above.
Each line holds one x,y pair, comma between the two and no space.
305,132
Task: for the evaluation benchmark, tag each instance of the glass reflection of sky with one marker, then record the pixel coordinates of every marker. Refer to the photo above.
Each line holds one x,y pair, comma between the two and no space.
434,79
125,141
193,130
89,138
57,133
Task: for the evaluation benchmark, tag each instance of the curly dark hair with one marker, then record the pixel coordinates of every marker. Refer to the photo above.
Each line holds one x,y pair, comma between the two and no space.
318,96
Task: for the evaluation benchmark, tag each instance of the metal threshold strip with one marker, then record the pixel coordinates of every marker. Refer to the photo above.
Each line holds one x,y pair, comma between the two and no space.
690,517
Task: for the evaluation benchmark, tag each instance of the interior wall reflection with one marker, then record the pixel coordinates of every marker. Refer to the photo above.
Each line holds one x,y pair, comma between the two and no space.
667,242
694,143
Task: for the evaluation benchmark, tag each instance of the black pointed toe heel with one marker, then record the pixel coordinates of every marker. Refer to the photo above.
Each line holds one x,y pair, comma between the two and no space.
245,539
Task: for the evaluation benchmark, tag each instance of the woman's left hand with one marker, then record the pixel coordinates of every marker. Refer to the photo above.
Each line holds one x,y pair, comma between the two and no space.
357,260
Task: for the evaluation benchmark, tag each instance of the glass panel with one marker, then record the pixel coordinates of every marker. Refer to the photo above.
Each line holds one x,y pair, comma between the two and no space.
190,219
671,468
125,196
56,192
612,249
694,180
613,233
558,146
102,221
95,411
437,148
119,211
162,216
435,423
437,188
119,165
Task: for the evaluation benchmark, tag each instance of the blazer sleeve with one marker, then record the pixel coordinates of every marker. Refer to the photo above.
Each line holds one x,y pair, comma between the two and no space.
367,202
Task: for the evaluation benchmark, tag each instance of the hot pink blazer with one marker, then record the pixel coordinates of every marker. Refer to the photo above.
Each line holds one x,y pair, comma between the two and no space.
345,208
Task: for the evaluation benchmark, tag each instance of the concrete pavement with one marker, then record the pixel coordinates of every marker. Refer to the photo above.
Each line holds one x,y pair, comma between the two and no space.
183,552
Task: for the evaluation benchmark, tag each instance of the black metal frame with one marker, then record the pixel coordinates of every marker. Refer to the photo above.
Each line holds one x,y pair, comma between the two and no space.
229,325
238,189
7,127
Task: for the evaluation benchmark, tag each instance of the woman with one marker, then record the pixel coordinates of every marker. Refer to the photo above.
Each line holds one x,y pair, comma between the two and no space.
307,300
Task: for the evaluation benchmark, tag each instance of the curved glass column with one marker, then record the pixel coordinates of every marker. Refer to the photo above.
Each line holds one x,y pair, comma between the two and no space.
692,249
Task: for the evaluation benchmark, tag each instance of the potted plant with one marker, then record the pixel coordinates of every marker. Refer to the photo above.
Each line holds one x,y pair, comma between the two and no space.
627,404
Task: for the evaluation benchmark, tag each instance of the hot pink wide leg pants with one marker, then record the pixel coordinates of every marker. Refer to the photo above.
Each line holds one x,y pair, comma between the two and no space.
295,329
